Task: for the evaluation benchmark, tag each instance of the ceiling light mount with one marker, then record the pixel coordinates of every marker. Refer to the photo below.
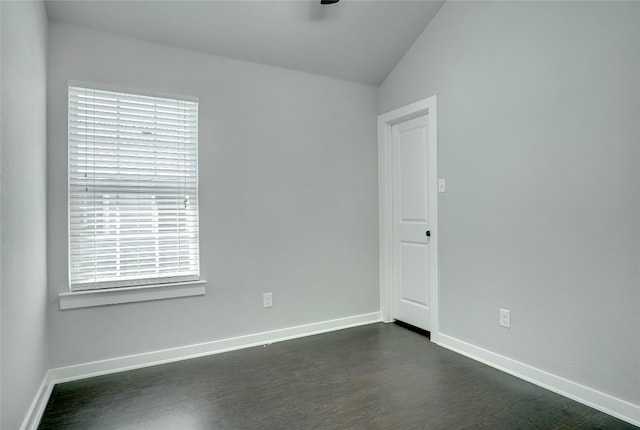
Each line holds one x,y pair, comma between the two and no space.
329,1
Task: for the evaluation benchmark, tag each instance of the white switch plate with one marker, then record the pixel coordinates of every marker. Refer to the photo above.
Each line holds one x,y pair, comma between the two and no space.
442,186
505,318
267,300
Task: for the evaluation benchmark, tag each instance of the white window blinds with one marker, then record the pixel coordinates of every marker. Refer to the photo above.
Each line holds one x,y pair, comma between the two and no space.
133,189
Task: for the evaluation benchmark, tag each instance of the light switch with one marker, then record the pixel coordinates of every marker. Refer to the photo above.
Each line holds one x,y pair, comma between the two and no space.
442,187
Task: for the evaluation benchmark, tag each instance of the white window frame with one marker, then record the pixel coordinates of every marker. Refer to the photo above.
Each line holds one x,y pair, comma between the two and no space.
121,292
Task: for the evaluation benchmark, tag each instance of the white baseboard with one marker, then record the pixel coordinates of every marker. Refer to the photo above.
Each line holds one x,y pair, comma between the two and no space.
38,405
119,364
603,402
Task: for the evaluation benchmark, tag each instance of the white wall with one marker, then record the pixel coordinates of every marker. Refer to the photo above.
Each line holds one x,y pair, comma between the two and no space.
1,213
539,116
288,195
23,207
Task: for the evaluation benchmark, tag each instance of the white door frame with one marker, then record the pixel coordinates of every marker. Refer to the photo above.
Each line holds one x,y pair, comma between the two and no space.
385,171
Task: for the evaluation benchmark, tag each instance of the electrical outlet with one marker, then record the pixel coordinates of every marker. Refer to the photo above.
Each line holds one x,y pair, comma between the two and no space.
267,300
505,318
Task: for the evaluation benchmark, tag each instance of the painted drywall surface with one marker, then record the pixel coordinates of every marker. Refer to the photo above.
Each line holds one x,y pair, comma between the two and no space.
539,143
0,214
23,229
288,197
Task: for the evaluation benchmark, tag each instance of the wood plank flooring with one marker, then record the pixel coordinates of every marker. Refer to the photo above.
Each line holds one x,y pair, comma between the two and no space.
379,376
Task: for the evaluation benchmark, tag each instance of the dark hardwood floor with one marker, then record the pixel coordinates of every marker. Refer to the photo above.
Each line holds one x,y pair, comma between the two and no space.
379,376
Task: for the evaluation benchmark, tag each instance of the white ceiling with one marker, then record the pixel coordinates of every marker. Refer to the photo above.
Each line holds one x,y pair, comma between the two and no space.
356,40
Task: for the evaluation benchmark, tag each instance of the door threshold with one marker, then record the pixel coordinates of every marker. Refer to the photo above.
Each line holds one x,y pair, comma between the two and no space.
418,330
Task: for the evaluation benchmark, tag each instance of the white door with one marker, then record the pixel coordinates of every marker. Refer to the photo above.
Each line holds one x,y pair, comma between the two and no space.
411,302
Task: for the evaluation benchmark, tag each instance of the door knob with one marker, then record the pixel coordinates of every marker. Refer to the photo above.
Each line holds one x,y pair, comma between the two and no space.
428,233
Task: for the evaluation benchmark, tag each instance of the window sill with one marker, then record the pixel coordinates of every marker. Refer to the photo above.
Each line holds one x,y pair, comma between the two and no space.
113,296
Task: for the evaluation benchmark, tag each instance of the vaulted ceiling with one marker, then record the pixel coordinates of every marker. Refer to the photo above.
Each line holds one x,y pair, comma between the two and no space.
356,40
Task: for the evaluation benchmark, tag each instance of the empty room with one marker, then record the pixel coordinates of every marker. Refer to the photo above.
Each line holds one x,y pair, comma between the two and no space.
317,214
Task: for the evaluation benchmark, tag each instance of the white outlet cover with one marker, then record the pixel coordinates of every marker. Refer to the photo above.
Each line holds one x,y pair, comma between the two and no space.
442,186
505,318
267,300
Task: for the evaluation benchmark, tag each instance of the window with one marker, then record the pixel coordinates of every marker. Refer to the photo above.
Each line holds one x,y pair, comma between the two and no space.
133,190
